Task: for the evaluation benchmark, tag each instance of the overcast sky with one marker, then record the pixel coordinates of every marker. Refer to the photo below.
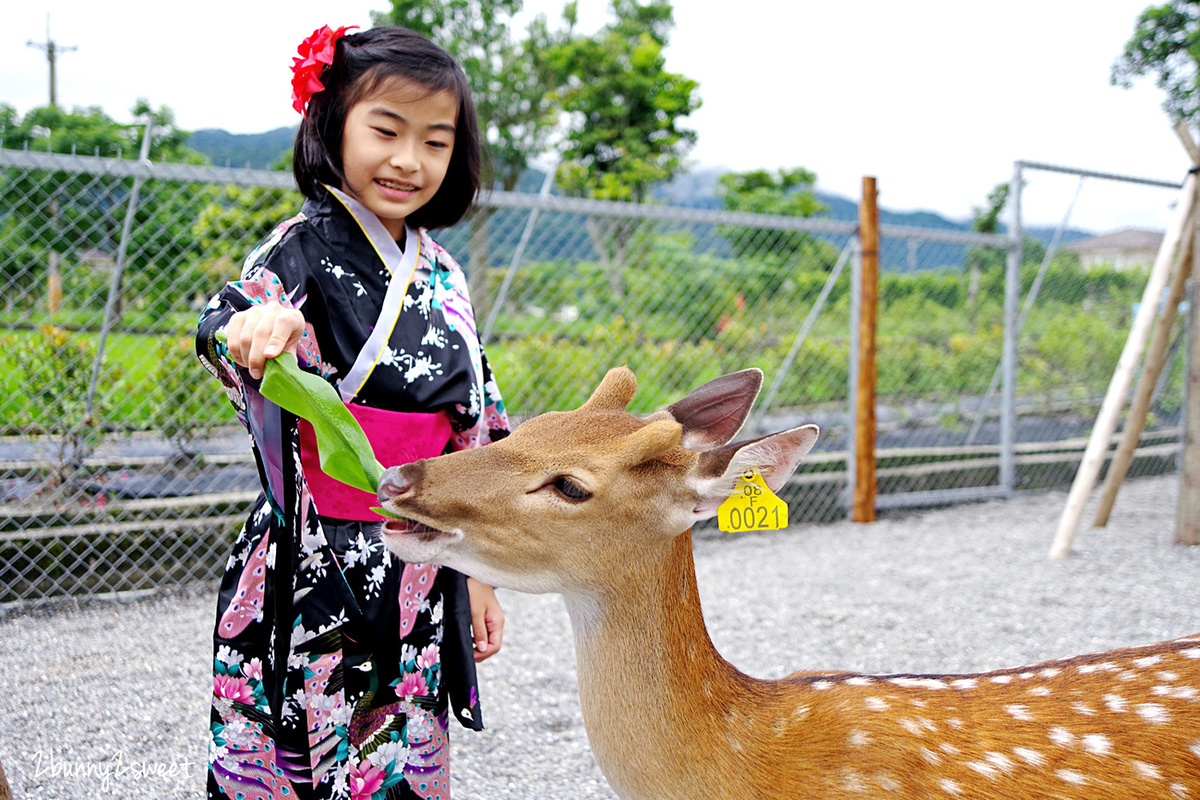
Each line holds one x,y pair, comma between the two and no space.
936,98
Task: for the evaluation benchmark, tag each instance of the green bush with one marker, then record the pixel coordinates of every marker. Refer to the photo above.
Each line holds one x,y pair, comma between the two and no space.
545,372
55,367
1073,354
185,404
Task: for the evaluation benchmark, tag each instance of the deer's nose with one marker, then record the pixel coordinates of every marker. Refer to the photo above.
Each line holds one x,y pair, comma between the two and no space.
393,484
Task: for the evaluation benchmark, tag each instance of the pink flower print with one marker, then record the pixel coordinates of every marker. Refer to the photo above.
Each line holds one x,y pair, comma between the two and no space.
254,669
412,685
429,657
365,780
415,583
232,688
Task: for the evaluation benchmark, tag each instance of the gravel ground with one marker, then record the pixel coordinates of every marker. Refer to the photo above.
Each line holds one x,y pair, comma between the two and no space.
113,695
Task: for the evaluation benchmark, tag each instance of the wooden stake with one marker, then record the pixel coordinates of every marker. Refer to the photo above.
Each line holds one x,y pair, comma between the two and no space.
1118,387
1187,510
54,290
1156,358
865,484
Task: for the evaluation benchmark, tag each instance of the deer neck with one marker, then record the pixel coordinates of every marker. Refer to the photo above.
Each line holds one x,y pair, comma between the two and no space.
652,685
651,615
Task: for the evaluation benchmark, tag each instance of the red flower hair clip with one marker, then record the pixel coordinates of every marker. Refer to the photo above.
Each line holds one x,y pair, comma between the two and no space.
316,53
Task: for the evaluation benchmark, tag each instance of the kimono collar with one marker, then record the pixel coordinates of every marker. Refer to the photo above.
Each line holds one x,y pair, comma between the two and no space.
401,267
397,262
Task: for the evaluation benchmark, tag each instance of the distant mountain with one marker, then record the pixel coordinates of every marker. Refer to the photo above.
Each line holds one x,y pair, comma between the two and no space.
697,189
254,150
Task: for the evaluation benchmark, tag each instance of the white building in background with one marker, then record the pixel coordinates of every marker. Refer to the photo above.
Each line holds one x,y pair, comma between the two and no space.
1124,249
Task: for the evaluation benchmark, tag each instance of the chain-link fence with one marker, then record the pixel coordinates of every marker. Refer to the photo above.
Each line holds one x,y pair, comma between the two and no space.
940,337
122,467
1079,294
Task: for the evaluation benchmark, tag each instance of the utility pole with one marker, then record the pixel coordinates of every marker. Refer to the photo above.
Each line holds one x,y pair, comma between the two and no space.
54,271
52,50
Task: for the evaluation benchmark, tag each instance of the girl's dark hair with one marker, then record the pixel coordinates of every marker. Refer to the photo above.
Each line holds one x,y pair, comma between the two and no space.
361,63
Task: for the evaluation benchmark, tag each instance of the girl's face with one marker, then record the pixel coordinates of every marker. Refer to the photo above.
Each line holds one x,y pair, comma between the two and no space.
396,148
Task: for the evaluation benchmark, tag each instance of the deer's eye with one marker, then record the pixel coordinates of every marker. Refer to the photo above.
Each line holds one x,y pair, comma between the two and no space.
570,489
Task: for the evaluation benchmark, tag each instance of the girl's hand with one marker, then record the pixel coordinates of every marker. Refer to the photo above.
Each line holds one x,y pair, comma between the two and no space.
263,332
487,620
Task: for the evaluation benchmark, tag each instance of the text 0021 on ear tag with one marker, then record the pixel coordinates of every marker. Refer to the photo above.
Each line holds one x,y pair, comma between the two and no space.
752,507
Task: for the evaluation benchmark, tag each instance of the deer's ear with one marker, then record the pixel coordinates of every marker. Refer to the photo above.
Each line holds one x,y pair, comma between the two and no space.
775,457
614,392
713,414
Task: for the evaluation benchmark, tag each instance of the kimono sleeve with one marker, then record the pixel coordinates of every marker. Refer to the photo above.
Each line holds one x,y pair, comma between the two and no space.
277,270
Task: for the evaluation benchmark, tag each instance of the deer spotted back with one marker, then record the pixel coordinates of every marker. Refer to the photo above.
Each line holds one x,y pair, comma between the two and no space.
1119,724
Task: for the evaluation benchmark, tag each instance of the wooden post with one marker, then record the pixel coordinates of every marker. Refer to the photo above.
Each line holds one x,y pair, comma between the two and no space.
1156,357
1187,510
54,290
1118,387
5,792
864,423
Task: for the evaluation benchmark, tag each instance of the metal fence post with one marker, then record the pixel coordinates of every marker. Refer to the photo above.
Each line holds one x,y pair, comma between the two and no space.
1026,307
1012,296
518,254
114,286
806,328
852,375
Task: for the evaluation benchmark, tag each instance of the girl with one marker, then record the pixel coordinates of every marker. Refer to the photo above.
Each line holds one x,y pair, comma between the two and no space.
336,665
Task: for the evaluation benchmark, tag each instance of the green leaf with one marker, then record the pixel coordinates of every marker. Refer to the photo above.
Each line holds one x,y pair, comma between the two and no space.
345,453
383,512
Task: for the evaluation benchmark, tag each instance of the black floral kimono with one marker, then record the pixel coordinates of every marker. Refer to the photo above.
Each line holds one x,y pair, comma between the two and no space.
336,665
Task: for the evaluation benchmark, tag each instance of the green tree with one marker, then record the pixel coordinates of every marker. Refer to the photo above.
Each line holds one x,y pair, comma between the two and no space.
769,257
787,192
89,131
1166,42
233,216
624,108
623,113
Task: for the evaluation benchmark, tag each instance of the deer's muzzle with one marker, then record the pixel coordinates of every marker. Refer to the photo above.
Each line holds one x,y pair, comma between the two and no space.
394,483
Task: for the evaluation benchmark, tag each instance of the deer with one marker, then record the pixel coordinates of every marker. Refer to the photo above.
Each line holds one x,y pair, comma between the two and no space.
598,504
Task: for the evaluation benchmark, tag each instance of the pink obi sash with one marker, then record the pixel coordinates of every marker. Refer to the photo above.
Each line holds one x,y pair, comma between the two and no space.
396,438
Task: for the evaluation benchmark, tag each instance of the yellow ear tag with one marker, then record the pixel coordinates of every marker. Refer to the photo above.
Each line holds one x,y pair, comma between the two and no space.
752,506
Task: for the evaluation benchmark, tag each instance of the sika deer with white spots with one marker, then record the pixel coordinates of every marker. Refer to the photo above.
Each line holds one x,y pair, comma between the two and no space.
597,505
